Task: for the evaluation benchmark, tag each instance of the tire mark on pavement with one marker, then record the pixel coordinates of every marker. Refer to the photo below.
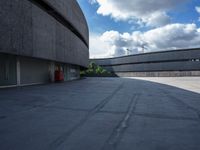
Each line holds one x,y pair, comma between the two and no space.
91,113
179,101
115,137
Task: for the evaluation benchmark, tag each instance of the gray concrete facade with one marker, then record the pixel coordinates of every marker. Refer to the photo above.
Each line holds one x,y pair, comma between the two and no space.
20,71
177,62
8,70
50,31
71,12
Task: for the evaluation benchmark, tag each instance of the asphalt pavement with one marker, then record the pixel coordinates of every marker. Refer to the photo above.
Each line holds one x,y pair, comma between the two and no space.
102,114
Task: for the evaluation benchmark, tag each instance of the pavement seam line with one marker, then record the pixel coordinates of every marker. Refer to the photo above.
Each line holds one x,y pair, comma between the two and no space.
65,108
118,132
156,116
98,107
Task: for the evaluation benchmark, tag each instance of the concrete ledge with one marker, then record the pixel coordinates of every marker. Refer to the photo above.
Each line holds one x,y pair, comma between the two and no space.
158,74
7,86
21,85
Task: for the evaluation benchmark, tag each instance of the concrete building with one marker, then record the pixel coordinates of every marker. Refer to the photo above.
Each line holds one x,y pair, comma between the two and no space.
184,62
40,36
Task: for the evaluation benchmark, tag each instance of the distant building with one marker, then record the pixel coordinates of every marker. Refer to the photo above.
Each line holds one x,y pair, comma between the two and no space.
185,62
38,37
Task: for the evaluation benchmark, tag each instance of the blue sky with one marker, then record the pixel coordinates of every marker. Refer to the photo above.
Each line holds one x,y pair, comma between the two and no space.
98,23
116,25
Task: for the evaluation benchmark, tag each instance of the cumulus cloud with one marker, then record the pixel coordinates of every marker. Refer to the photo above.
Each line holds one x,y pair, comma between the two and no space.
150,12
99,48
198,10
173,36
121,44
169,37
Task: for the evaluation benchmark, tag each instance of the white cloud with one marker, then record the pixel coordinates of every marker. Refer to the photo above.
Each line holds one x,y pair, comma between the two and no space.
150,12
157,19
198,10
173,36
169,37
92,1
98,48
119,43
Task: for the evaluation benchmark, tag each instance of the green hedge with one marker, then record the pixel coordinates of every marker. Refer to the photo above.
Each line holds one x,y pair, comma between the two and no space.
96,71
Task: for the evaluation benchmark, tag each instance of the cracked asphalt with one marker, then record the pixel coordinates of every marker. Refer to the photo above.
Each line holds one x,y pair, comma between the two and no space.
102,114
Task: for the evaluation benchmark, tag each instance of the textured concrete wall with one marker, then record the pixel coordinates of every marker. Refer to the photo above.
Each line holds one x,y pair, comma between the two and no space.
72,12
180,60
177,55
164,66
28,30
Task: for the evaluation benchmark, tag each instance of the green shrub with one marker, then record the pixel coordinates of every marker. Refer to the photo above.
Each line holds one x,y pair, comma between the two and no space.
95,70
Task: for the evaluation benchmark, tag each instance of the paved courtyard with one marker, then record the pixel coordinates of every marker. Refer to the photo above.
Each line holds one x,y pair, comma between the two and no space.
102,114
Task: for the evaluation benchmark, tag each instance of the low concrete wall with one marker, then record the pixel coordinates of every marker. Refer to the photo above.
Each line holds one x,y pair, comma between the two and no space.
158,74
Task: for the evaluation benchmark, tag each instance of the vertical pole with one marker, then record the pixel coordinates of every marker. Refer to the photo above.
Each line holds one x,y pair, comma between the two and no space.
52,70
18,71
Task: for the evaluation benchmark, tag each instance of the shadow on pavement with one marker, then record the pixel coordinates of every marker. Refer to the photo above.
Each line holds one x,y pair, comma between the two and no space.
100,114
